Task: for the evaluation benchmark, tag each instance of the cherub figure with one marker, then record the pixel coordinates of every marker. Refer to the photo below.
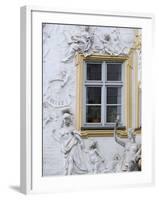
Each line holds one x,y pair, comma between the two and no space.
111,43
79,43
96,160
116,162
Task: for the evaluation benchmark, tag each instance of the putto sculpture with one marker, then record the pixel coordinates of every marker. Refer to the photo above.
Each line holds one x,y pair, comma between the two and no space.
112,43
115,163
96,160
81,43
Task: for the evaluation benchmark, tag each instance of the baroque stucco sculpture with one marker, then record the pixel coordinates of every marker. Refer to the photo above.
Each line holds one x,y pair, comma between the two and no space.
60,93
81,160
129,161
88,42
112,43
81,43
96,160
56,94
78,159
71,147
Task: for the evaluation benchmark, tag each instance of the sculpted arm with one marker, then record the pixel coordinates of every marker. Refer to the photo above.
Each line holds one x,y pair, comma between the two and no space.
117,139
76,134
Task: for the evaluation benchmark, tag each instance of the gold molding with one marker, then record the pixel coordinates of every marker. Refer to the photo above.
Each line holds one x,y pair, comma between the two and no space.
133,55
79,93
136,89
101,57
128,90
106,133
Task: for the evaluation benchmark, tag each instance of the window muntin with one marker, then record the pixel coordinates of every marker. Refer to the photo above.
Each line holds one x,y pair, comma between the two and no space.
103,93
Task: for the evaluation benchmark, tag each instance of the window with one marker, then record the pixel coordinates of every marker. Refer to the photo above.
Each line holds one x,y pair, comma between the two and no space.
103,93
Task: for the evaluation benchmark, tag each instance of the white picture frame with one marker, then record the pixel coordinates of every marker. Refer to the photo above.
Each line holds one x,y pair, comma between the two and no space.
31,139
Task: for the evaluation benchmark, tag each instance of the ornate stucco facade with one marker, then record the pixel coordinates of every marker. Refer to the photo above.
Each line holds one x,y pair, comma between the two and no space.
65,48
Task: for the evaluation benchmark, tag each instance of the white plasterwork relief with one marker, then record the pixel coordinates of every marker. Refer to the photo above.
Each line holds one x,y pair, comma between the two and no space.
77,158
57,94
81,42
81,160
90,41
71,147
46,38
131,159
97,162
65,151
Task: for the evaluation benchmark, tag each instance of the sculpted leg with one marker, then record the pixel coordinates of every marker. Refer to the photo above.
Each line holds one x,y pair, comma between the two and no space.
70,166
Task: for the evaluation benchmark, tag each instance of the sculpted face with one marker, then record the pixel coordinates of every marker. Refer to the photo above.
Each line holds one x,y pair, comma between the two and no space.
67,119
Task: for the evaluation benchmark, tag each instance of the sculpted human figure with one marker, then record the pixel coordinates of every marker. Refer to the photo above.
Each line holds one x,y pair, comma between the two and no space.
71,147
131,149
96,160
79,43
115,164
112,43
107,44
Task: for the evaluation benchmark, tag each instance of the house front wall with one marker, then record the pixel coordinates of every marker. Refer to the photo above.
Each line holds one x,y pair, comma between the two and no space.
65,47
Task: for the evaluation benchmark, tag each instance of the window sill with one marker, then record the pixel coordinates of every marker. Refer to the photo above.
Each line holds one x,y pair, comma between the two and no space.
102,128
102,131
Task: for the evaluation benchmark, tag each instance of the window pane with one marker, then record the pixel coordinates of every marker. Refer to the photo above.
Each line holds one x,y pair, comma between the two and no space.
113,95
94,71
93,114
113,72
113,112
93,95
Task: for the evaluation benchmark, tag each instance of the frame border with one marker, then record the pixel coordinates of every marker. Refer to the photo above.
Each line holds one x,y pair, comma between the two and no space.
26,143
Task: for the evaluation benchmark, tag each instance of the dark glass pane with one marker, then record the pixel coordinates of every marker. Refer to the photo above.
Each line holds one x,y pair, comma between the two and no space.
93,95
94,71
113,112
93,114
113,72
113,95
